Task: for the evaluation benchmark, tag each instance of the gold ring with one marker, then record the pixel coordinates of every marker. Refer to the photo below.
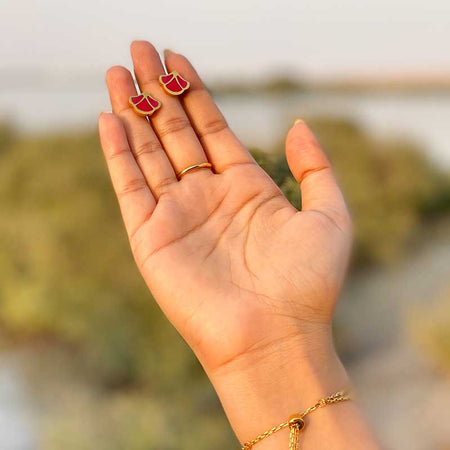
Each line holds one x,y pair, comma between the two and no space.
195,166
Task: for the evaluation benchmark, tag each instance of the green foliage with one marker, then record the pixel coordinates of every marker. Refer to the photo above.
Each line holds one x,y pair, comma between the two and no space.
276,166
7,136
67,275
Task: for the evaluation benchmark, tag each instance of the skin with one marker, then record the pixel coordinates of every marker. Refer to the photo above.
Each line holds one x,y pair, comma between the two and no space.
247,280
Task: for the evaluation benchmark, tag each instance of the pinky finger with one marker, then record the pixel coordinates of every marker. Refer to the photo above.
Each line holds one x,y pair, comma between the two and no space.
135,198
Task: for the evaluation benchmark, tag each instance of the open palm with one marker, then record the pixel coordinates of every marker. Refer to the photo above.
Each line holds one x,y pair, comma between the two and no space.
234,266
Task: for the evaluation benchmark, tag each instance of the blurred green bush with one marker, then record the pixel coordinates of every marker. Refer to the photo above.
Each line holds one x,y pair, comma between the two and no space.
67,276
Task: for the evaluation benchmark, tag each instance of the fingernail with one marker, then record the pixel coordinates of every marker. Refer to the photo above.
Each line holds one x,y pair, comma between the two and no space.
297,121
168,52
104,112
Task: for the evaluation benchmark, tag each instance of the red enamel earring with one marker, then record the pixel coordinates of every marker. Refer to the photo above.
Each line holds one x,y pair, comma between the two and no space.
173,83
144,104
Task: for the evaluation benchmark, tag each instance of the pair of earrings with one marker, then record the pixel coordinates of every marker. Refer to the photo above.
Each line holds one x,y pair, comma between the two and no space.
145,105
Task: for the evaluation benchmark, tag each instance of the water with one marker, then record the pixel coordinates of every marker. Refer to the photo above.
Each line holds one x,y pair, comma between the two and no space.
424,119
405,397
258,120
16,432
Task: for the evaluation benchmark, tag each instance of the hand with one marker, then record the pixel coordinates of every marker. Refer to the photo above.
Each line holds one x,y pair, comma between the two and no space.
234,266
248,281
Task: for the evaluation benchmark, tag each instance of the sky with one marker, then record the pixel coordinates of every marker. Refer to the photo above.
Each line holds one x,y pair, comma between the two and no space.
54,53
228,38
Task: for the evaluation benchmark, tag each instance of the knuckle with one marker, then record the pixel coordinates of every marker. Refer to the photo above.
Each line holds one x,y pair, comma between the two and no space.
305,172
162,186
132,186
212,127
173,125
146,147
117,153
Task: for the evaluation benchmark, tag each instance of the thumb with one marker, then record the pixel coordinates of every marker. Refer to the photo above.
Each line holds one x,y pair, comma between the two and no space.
312,170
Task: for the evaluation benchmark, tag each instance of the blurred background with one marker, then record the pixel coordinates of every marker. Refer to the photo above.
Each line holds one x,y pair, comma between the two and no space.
87,361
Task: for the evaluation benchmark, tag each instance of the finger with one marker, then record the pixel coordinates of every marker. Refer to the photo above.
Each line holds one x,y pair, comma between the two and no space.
144,143
313,172
135,199
171,123
222,147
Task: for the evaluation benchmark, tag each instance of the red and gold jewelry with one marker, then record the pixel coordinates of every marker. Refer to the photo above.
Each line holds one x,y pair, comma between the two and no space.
144,104
173,83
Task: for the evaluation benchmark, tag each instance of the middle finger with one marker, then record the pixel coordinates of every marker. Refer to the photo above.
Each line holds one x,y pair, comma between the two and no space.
171,123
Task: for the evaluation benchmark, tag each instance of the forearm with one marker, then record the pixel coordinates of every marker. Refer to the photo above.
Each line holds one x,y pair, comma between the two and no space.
261,390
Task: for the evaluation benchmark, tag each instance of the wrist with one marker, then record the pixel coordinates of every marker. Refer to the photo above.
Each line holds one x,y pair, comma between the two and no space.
262,389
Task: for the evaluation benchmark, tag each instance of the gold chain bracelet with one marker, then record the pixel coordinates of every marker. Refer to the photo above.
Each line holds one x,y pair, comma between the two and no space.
296,422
